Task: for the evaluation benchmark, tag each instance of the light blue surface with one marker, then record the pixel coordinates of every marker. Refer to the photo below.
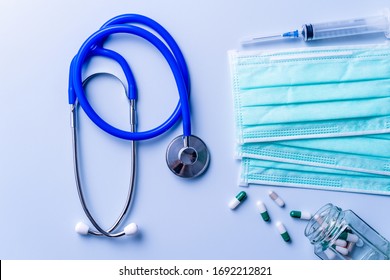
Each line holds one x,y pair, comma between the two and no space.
178,219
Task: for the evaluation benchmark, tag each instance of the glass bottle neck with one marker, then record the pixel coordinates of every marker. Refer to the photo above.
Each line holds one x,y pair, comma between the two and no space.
325,225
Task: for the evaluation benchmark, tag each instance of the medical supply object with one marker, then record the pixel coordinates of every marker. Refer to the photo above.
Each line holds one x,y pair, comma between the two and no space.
341,234
276,198
263,172
303,215
328,30
366,154
240,197
341,243
283,232
311,92
314,117
263,211
83,229
187,156
349,237
341,250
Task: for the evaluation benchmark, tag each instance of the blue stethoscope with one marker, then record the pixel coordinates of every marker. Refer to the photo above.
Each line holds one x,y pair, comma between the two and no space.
187,155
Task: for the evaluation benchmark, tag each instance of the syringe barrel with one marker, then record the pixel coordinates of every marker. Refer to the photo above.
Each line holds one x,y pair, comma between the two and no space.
349,27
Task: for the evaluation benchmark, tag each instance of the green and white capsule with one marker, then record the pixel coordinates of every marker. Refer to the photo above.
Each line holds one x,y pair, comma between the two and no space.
350,237
237,200
283,232
300,215
263,211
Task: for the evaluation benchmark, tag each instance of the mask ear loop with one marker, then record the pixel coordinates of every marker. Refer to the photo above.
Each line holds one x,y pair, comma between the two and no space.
81,227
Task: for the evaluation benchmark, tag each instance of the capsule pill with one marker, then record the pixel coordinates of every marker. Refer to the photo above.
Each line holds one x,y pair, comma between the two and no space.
275,197
341,243
263,211
283,232
350,237
240,197
341,250
300,215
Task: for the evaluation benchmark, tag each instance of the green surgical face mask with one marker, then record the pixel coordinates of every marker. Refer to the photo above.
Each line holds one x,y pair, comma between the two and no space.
311,93
366,154
254,171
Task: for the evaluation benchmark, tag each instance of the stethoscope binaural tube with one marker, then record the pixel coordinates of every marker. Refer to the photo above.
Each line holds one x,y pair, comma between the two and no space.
81,227
187,156
93,46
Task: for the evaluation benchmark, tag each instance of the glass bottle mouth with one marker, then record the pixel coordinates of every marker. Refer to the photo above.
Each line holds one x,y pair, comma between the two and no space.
322,223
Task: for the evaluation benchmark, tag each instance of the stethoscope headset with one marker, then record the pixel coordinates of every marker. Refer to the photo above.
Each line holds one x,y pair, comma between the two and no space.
187,155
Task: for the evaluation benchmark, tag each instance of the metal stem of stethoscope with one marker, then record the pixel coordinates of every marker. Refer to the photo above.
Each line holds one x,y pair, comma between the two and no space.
100,231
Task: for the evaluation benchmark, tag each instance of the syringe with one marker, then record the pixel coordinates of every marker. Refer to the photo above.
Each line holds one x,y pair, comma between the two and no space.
317,31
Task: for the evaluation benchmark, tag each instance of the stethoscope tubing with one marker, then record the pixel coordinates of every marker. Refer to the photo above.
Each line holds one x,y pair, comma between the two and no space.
174,57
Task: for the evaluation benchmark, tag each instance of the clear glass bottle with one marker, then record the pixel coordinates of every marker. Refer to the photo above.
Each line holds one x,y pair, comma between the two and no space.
343,235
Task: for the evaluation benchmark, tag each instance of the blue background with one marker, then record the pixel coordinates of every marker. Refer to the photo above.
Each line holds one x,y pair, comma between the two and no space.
178,219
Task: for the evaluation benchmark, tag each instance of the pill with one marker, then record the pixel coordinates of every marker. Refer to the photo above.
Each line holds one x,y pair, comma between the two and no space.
340,242
237,200
341,250
318,218
300,215
283,232
274,196
323,225
330,254
263,211
349,237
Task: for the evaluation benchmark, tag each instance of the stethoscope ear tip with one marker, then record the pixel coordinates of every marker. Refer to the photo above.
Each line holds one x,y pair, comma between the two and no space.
82,228
131,229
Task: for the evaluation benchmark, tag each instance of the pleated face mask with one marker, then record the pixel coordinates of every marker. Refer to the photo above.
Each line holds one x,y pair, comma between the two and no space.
254,171
366,154
311,93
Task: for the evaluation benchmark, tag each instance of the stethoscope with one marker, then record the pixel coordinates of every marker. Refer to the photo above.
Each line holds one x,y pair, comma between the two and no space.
187,155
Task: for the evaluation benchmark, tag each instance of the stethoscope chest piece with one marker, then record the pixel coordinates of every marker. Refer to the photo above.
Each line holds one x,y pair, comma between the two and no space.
187,156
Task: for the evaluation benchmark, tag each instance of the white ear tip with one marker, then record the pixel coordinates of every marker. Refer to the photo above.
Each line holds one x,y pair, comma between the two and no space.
82,228
131,229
